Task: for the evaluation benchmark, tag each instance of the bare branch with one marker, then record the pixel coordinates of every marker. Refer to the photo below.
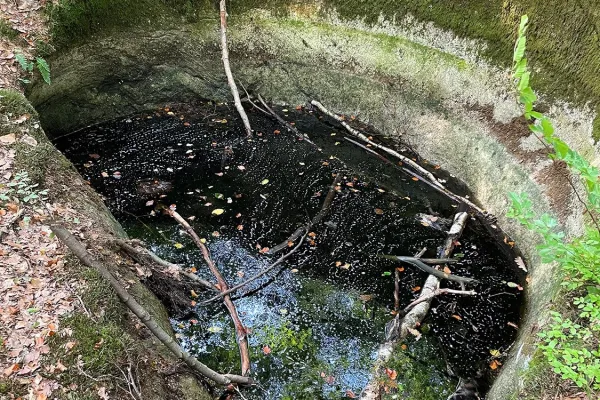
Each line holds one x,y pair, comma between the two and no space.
79,250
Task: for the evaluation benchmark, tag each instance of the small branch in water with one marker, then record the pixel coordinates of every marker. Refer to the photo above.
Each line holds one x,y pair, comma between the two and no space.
230,80
283,122
362,137
263,272
86,258
140,253
430,270
397,282
402,325
435,293
316,220
240,329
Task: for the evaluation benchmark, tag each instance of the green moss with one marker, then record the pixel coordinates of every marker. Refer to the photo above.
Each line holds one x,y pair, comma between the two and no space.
421,371
596,126
7,31
73,21
563,36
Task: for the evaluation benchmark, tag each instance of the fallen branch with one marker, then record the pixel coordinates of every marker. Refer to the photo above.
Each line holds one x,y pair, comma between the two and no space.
230,80
316,220
433,184
435,293
262,273
403,325
362,137
283,122
430,270
80,252
144,256
240,329
397,283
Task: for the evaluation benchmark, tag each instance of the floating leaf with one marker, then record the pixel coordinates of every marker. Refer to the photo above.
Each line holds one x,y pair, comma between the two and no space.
495,364
521,263
264,182
414,178
219,196
495,353
178,245
378,211
218,211
457,317
386,273
149,203
447,270
416,288
512,285
214,329
266,350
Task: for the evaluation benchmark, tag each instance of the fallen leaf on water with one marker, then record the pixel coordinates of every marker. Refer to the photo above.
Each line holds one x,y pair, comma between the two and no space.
378,211
447,270
193,293
414,178
495,353
264,250
214,329
149,203
404,347
277,131
512,324
400,269
521,263
290,243
104,174
178,245
312,234
416,288
240,227
264,182
218,211
294,270
241,167
457,317
495,364
266,350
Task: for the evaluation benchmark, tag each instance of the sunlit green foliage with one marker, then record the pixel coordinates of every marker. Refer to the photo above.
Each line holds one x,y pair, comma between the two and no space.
570,342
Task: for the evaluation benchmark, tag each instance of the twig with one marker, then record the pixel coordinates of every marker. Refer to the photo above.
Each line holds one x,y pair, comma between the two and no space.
397,281
435,293
11,222
79,250
283,122
261,273
316,220
362,137
401,326
138,256
230,80
432,271
240,329
435,185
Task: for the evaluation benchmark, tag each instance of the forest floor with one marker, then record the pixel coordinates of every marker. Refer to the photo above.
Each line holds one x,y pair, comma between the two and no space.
35,290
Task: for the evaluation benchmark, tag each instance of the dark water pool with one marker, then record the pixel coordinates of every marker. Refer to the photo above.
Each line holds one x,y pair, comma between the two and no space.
316,324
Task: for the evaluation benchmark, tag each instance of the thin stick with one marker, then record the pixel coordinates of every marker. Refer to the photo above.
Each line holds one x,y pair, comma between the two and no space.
230,80
138,256
255,277
438,292
240,329
283,122
362,137
79,250
432,271
316,220
435,185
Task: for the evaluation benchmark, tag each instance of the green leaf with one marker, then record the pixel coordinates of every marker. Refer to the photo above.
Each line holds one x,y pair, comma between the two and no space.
524,82
23,62
520,68
264,182
44,69
519,49
527,96
523,24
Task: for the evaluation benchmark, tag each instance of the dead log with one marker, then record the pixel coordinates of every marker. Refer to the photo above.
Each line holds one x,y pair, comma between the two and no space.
86,258
230,80
403,325
240,330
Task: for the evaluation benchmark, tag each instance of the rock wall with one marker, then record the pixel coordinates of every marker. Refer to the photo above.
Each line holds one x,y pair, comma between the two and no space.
433,74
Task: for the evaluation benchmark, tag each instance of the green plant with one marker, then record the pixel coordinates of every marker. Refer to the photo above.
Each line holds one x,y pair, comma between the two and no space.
21,189
570,342
28,66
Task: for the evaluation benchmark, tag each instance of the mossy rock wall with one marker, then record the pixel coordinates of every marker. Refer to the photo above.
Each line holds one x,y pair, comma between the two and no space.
432,73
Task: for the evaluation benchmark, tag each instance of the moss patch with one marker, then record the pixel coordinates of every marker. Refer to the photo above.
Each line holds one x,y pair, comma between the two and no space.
7,31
